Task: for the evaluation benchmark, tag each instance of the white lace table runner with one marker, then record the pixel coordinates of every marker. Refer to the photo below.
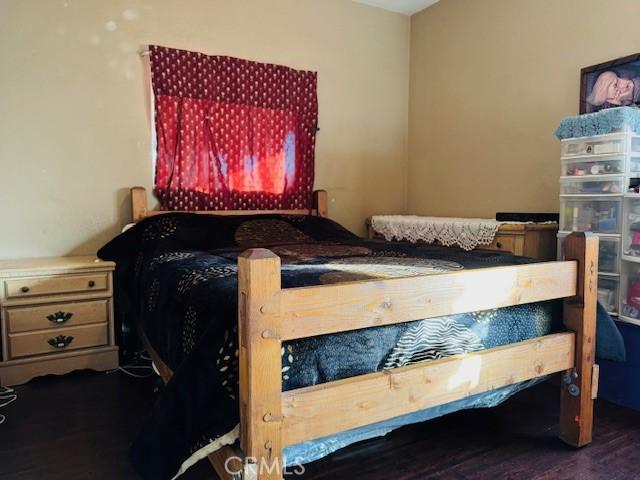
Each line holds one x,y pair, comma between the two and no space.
467,233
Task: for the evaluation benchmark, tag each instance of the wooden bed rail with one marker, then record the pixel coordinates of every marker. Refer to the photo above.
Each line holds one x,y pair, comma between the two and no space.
311,311
326,409
268,315
140,210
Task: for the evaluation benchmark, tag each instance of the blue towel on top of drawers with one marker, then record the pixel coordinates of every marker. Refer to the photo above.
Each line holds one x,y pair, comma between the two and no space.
599,123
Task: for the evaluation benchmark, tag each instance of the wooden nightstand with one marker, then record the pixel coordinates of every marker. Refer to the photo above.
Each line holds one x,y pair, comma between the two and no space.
56,317
535,240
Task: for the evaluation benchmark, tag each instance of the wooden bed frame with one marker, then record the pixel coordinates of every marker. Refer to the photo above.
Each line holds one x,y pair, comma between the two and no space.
271,419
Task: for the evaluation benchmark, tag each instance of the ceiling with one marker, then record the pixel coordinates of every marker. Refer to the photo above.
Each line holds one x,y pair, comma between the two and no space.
408,7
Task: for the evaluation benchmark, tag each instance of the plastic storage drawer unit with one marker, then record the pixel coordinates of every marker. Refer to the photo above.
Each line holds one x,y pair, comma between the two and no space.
595,214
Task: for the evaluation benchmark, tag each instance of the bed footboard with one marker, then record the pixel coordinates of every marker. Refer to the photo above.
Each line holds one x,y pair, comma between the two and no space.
268,315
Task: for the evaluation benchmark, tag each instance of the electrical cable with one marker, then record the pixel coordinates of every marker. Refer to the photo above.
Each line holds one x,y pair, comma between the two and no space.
7,396
130,369
126,370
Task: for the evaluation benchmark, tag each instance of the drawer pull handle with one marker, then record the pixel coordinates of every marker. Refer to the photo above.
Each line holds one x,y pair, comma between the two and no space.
92,284
24,289
59,317
498,245
61,341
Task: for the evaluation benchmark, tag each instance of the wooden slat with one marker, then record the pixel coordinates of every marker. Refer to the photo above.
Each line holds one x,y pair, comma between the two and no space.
152,213
321,410
140,210
320,310
165,372
576,411
321,203
138,203
595,379
260,362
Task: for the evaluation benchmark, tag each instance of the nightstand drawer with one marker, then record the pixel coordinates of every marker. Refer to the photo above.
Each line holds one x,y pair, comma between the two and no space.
56,315
57,340
501,243
56,284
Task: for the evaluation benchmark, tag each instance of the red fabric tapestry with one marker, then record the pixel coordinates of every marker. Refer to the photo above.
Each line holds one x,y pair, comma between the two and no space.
232,134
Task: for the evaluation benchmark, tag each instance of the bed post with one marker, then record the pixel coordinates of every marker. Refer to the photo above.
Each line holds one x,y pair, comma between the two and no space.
321,203
580,383
138,203
260,364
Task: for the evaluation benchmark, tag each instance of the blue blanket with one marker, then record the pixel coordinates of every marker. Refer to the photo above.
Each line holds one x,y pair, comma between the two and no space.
599,123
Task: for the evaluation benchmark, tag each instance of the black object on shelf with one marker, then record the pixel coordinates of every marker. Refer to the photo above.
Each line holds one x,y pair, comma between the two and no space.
527,217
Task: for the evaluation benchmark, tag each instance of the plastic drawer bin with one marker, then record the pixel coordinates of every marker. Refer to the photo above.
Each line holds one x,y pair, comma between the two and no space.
608,293
602,184
634,165
631,228
630,299
585,166
608,254
595,214
596,145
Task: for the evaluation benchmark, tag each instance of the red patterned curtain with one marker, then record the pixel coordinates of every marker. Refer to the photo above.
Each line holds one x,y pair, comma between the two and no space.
232,134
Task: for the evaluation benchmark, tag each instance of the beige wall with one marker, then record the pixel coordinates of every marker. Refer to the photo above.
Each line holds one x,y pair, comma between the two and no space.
490,80
74,128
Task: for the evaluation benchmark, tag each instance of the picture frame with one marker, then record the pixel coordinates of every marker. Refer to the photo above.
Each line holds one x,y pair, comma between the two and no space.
610,84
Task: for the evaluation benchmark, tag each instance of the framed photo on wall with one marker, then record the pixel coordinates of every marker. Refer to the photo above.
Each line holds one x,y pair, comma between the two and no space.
610,84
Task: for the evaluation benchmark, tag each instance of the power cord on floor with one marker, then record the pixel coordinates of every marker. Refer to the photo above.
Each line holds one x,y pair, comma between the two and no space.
141,363
7,396
127,369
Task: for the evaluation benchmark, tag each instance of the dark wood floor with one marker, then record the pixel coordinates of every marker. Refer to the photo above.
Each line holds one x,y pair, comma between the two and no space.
79,427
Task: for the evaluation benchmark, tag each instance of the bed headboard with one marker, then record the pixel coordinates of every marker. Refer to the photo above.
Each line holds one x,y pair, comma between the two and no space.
139,208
